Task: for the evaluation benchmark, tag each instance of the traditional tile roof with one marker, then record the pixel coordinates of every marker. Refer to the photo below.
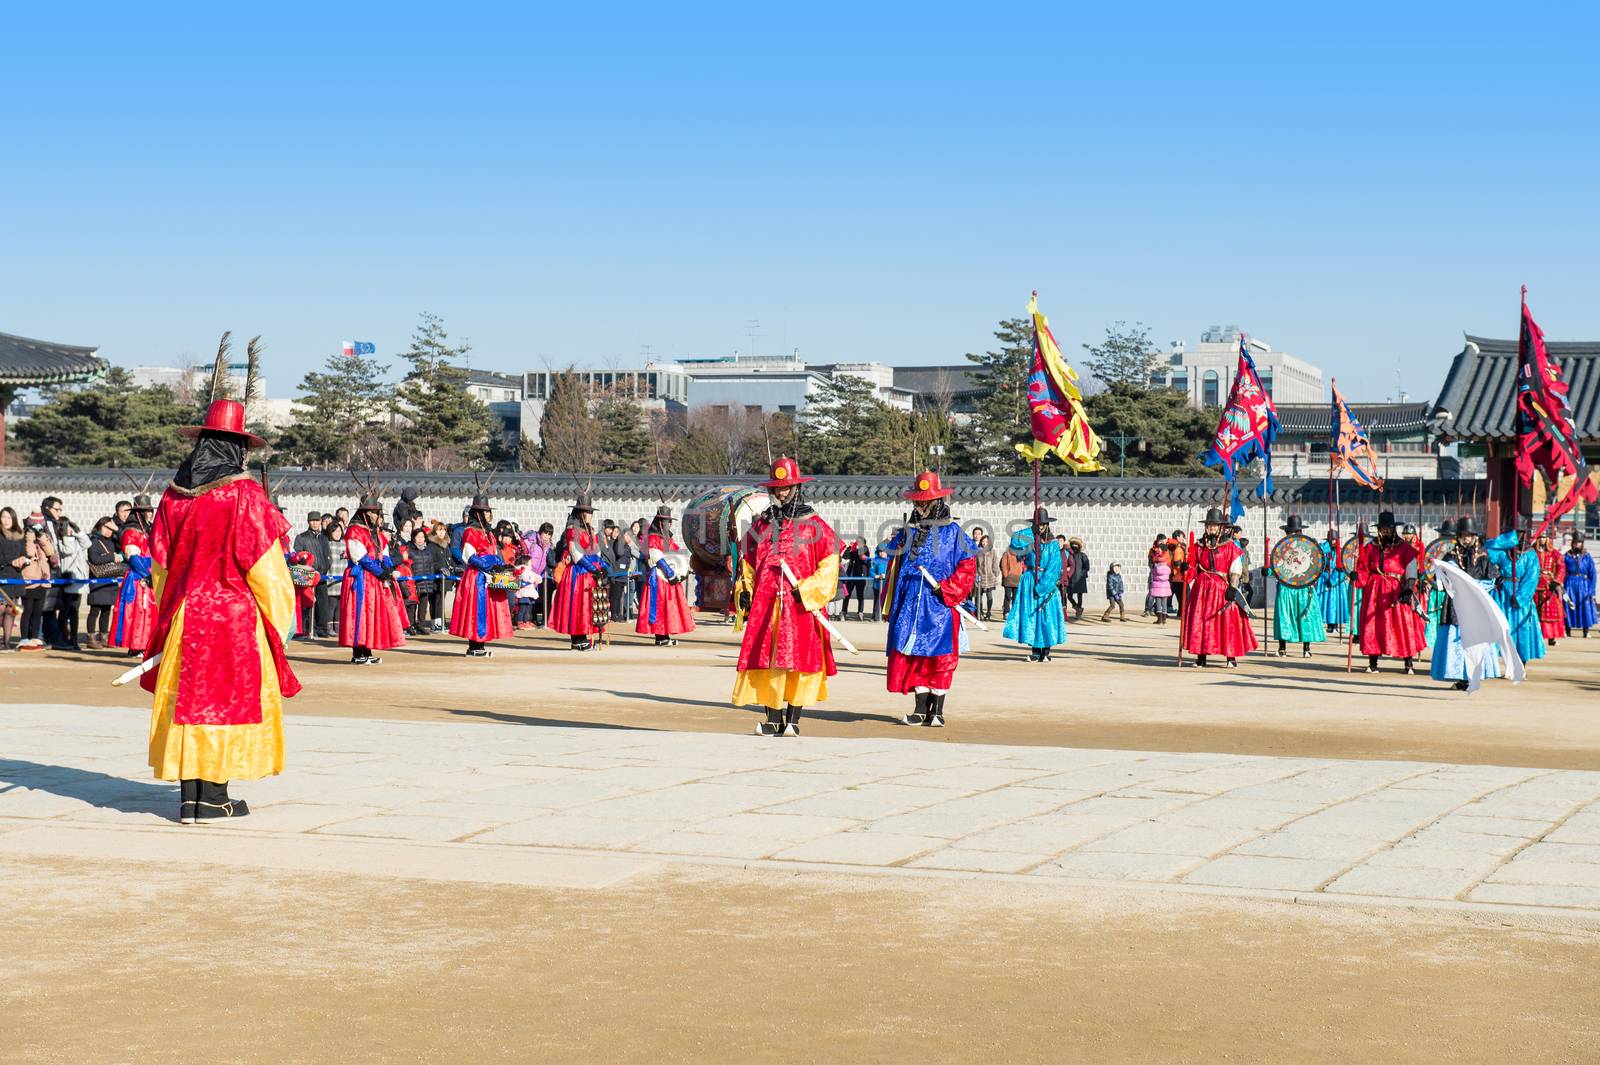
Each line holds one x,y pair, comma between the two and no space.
1380,419
1477,401
1133,491
26,362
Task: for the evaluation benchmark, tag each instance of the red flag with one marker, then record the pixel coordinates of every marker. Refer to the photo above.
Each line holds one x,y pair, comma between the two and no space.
1546,439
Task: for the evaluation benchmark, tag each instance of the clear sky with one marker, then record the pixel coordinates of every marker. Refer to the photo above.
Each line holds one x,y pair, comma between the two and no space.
1355,185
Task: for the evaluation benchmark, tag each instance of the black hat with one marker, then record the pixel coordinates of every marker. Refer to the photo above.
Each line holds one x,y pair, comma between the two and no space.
409,494
1409,530
479,502
1041,516
1448,527
1386,519
142,502
663,511
314,516
369,502
1577,538
583,503
1465,526
1214,517
1293,525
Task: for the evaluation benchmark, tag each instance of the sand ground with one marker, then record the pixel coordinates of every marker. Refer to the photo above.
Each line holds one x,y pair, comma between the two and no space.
1115,685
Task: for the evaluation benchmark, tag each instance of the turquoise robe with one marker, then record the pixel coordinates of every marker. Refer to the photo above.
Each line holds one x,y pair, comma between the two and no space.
1333,589
1515,593
1036,618
1297,615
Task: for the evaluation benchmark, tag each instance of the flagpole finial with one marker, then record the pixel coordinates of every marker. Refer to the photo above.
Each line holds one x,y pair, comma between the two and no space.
1524,293
1036,292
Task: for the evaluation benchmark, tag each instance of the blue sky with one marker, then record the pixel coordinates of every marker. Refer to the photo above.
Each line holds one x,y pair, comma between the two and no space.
1358,186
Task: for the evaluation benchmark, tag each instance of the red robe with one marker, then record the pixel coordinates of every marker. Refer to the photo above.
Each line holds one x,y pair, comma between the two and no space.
370,612
907,673
786,637
480,613
572,605
208,542
1552,582
664,606
1389,627
133,616
1211,624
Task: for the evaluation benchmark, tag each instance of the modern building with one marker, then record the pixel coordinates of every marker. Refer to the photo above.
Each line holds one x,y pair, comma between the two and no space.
29,363
663,387
953,389
1402,440
502,392
187,381
1206,373
1476,410
769,383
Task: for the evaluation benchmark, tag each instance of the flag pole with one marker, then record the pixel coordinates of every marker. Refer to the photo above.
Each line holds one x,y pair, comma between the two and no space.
1350,643
1185,607
1338,531
1266,556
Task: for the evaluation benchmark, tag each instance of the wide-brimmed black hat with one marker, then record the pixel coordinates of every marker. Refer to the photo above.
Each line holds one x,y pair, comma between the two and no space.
142,502
1293,524
583,503
1386,519
480,502
370,502
1041,517
1465,526
1448,528
663,511
1214,516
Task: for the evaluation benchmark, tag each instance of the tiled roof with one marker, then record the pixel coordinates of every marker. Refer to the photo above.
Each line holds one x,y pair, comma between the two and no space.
24,362
1206,491
1313,419
936,380
1477,401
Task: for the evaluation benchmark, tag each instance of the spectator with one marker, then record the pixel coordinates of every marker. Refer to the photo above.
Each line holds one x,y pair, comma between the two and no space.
400,555
1078,584
1114,593
33,567
1064,583
50,512
1155,602
879,575
342,515
1158,553
618,555
333,532
427,560
1010,576
406,510
539,563
73,545
547,535
1178,555
314,543
105,564
857,565
11,541
638,530
988,576
122,512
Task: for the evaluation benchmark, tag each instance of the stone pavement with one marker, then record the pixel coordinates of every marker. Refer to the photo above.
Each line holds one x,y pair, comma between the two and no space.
591,806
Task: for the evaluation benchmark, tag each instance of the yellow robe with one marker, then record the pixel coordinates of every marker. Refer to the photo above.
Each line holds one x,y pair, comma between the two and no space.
776,688
225,752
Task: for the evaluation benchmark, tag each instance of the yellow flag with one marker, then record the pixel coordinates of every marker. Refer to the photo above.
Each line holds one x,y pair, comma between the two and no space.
1055,405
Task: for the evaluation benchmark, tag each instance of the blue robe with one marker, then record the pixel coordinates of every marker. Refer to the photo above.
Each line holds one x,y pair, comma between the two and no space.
920,623
1448,661
1036,619
1579,592
1333,589
1515,593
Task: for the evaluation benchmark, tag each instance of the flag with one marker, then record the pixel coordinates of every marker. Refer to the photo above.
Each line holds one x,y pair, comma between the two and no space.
1055,404
359,347
1350,449
1248,426
1546,438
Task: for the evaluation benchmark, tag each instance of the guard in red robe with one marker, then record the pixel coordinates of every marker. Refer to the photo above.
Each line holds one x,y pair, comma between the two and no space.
1386,573
371,615
1215,618
1549,597
578,571
226,605
664,608
933,566
481,613
785,658
134,614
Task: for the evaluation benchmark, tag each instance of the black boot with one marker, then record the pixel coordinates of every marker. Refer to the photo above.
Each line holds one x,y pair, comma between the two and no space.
1305,650
188,801
476,649
1200,660
1283,648
1372,663
935,718
772,726
791,724
215,805
1411,667
919,712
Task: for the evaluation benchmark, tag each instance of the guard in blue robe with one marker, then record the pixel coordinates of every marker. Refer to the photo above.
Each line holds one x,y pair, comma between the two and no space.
1578,588
1036,620
1519,580
1449,663
1333,587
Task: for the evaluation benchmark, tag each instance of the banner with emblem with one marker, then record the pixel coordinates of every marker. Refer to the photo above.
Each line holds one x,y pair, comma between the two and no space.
1246,430
1055,405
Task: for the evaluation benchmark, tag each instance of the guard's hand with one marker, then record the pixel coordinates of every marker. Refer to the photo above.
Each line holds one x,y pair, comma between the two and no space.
744,602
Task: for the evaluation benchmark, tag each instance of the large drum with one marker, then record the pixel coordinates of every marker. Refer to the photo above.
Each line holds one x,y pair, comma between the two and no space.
712,524
1297,561
1351,552
1438,549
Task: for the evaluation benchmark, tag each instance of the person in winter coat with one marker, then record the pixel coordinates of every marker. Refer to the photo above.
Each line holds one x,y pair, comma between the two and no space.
105,564
1114,591
880,576
427,559
73,545
1010,576
1077,563
10,595
988,576
33,568
1160,588
406,510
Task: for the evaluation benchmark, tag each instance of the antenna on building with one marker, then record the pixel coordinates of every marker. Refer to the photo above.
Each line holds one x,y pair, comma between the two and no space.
750,327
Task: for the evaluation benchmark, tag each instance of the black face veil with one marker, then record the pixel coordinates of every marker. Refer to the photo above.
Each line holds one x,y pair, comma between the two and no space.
215,456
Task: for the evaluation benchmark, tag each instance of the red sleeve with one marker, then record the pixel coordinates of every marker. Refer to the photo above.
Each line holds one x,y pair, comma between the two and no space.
258,527
958,586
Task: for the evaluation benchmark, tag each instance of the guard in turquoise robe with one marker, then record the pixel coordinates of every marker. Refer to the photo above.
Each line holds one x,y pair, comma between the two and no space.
1333,587
1519,579
1036,620
1297,612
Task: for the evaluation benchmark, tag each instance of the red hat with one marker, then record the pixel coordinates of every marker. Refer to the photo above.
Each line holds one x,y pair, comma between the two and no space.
926,487
224,416
785,472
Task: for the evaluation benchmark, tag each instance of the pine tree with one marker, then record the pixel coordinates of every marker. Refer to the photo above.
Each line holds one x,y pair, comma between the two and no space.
1002,419
449,427
1124,358
847,429
109,423
568,431
624,443
1164,435
344,418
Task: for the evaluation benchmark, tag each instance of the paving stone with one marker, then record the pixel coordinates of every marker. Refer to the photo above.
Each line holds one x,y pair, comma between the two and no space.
861,848
964,816
978,861
568,830
303,817
1524,871
1043,835
1281,874
973,778
1154,837
1228,812
1546,851
866,803
399,826
1123,806
709,846
1491,826
1100,778
1308,845
788,828
1410,857
1418,883
1582,828
1062,759
1537,895
1103,865
693,802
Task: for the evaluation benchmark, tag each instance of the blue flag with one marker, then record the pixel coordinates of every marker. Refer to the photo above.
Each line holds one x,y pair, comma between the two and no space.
1246,430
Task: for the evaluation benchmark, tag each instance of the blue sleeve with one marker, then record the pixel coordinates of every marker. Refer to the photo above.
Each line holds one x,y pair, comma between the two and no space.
1050,565
139,566
373,566
1499,549
484,561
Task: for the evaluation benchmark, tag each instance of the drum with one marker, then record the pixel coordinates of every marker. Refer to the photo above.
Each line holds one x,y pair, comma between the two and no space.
713,522
503,580
600,604
1439,548
303,576
1297,561
678,562
1350,552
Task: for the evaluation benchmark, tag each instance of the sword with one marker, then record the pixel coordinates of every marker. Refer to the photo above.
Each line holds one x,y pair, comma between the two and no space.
139,670
966,615
822,618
